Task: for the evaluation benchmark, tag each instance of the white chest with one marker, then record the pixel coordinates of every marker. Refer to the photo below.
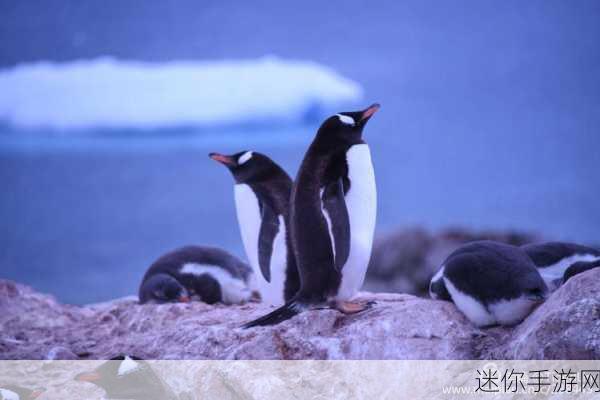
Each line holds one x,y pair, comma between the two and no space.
248,213
361,202
249,219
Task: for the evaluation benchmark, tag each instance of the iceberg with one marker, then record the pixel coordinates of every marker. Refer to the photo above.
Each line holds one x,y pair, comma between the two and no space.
111,93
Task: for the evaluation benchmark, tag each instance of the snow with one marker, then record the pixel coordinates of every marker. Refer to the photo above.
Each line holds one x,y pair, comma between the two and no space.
111,93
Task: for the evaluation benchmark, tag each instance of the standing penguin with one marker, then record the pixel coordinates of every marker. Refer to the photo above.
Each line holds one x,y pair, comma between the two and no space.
558,261
490,282
209,273
332,213
262,191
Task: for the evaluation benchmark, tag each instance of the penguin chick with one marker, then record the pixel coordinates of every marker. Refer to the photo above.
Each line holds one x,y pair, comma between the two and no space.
554,259
208,273
490,283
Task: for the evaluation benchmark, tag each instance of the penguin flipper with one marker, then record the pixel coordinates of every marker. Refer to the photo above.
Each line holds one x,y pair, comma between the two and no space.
285,312
335,205
269,228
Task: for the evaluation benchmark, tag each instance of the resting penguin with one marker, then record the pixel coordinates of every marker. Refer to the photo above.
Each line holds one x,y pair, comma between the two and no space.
262,190
332,214
558,261
490,282
208,273
127,377
14,392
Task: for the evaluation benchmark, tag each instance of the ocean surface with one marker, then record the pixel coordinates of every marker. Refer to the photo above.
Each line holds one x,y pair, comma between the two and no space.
490,119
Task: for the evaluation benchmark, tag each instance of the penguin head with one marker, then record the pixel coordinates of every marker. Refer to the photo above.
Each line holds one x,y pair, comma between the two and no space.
347,126
163,288
534,288
14,392
125,377
248,166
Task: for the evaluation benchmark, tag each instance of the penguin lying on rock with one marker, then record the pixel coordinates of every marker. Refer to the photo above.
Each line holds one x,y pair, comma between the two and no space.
14,392
128,377
559,261
262,191
207,273
332,218
490,283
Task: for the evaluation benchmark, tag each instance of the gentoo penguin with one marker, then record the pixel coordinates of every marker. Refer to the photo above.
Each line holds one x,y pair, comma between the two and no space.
208,273
128,377
490,282
578,268
262,191
558,261
332,213
14,392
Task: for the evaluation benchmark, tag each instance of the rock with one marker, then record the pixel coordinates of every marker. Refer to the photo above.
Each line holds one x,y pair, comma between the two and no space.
405,260
566,326
398,326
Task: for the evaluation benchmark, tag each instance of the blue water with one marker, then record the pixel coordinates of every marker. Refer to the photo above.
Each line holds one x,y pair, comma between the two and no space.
490,119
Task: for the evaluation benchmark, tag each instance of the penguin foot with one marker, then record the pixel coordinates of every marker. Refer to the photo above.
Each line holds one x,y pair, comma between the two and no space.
349,307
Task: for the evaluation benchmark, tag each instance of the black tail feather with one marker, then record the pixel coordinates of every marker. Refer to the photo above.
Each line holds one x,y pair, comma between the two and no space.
281,314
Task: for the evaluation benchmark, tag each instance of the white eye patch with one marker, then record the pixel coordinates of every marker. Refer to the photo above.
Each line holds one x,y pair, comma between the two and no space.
245,157
127,366
346,119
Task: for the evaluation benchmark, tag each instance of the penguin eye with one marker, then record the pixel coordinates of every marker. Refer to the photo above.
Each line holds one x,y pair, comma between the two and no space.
346,120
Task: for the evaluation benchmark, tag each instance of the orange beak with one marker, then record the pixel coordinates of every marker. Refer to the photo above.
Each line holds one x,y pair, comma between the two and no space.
35,394
226,160
372,109
88,377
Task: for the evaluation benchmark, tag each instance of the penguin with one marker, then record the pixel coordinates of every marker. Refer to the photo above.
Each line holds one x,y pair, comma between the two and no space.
491,283
262,191
128,377
559,261
14,392
332,214
208,273
579,267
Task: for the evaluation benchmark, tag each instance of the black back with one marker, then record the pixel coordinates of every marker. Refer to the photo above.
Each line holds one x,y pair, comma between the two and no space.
549,253
205,285
324,165
492,271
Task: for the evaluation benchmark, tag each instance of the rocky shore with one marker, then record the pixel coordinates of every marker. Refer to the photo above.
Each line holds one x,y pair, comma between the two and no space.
398,326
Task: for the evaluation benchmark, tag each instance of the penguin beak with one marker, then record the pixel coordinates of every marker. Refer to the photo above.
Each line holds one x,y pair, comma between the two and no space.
88,377
368,112
225,160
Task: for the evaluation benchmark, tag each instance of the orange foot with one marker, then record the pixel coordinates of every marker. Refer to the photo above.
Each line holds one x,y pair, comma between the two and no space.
348,307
